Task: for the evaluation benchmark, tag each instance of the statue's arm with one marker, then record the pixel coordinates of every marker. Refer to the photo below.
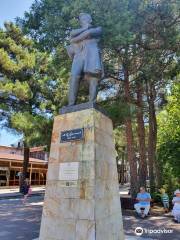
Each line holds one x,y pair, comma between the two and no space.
92,32
95,32
76,32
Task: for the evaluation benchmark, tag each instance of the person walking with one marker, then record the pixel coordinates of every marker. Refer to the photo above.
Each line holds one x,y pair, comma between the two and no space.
26,190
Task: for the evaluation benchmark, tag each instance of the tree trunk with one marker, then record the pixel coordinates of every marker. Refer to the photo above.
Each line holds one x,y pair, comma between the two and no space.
25,167
122,170
152,137
130,143
156,165
141,137
158,172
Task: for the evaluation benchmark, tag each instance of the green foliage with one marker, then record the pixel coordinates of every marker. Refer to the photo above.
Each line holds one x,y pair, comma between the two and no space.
31,83
49,22
118,110
15,58
34,127
19,89
169,135
139,35
156,196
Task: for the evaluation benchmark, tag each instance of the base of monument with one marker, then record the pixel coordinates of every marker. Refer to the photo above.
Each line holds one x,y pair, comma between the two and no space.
82,106
82,195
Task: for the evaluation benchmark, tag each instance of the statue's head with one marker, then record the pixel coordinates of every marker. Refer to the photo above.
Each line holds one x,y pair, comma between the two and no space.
85,19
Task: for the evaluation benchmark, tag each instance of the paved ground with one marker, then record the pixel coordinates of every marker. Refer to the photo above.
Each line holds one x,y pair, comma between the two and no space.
15,189
156,226
6,192
22,222
18,221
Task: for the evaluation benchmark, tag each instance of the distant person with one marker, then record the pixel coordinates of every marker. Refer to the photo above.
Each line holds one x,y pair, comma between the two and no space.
143,205
176,207
26,190
165,200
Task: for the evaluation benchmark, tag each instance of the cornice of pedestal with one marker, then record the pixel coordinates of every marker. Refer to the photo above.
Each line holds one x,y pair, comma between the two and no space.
82,106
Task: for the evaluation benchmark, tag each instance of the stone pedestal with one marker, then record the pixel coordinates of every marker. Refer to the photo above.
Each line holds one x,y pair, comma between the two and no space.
86,204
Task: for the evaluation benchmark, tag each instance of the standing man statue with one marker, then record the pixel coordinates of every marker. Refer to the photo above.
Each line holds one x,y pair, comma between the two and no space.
86,57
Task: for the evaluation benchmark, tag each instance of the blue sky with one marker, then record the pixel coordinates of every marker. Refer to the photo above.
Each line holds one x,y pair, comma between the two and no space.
7,138
9,10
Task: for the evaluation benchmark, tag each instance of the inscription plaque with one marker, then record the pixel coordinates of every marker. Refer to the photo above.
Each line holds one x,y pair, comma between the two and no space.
72,135
69,171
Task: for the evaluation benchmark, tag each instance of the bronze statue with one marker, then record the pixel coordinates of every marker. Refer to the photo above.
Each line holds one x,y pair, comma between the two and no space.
86,57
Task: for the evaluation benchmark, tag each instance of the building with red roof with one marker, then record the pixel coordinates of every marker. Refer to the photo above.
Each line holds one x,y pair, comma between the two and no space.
11,165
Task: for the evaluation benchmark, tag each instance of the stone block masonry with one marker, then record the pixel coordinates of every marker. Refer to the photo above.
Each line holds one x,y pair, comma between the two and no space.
86,208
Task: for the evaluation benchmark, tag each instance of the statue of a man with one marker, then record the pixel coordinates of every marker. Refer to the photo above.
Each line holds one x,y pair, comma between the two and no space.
86,57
